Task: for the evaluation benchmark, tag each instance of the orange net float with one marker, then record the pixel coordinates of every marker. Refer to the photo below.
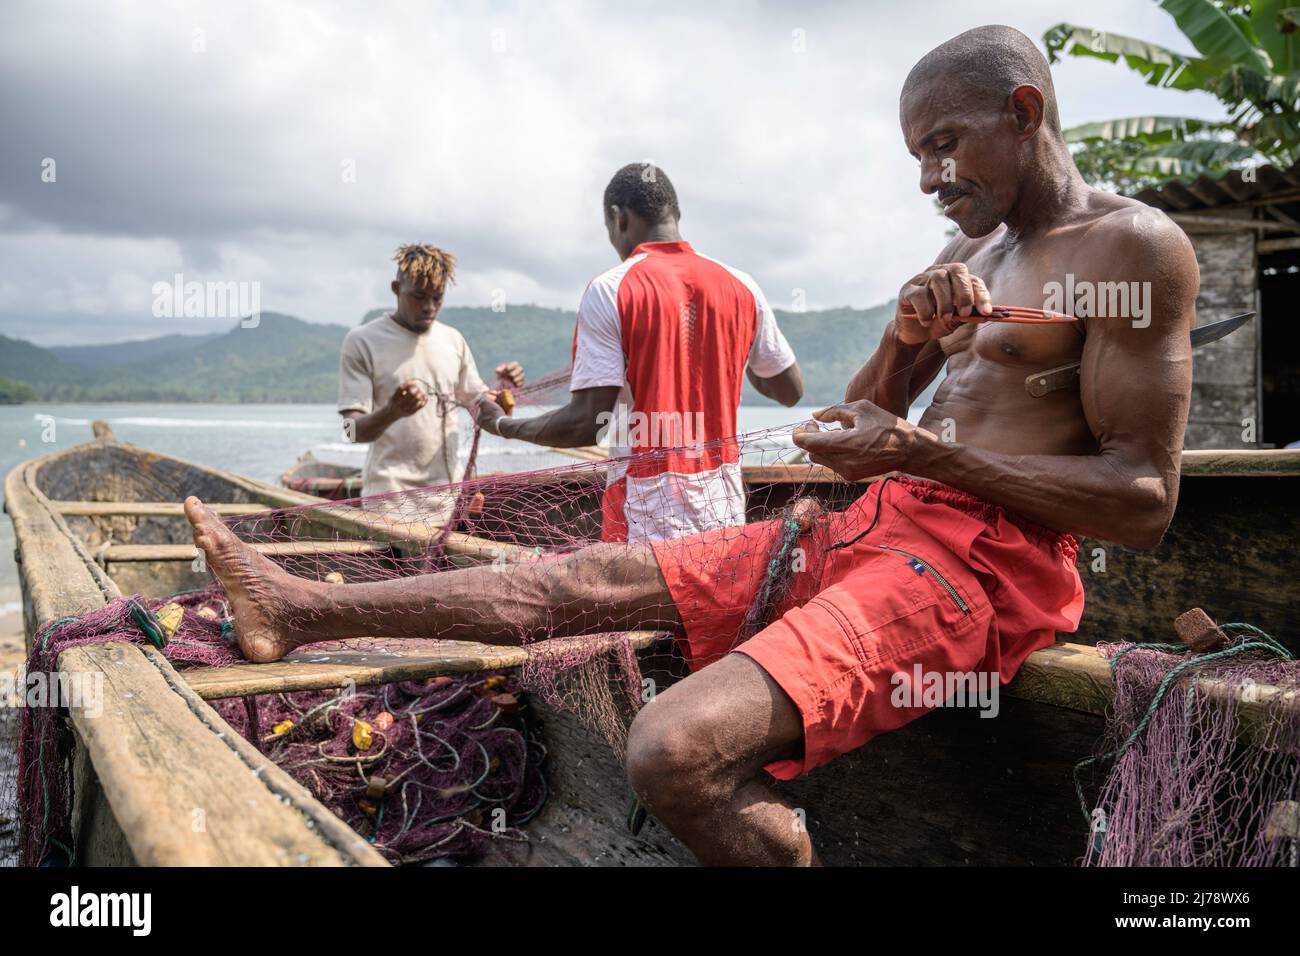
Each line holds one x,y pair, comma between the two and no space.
476,505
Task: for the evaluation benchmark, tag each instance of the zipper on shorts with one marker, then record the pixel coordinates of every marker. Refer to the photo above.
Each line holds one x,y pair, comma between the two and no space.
952,591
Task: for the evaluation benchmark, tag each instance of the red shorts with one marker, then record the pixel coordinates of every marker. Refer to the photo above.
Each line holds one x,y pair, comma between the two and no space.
944,582
613,520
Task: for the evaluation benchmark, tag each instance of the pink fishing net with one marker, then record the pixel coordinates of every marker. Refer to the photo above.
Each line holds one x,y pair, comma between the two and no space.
1203,753
444,766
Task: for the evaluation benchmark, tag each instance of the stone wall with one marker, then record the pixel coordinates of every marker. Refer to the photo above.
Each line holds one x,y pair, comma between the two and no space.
1224,374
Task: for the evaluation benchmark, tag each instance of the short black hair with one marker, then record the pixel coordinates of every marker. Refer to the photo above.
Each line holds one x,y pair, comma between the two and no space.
989,62
645,189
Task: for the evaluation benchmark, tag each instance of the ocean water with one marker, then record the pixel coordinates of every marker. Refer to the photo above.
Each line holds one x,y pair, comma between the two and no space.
259,441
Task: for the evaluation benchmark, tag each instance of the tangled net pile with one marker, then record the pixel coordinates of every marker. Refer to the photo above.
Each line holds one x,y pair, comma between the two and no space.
418,767
1206,757
424,769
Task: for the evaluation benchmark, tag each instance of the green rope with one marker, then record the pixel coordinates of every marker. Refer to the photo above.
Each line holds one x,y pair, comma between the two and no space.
59,623
67,852
1262,642
148,623
777,564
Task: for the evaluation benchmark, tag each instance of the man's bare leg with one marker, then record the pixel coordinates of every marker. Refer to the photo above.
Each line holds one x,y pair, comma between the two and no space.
601,588
695,756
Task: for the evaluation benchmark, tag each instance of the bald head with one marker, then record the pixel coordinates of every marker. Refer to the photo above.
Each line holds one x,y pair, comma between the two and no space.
985,65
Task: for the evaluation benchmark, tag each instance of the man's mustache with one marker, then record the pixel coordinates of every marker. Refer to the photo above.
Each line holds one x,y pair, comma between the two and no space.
952,192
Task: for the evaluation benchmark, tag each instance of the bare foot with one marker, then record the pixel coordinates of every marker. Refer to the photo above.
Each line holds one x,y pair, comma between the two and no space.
260,592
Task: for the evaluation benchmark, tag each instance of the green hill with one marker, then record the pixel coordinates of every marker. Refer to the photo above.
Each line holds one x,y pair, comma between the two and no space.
98,357
23,362
284,359
15,393
832,344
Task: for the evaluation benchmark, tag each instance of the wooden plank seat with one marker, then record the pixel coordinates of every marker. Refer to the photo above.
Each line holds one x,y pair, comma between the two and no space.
584,453
335,665
148,509
1073,676
1208,463
408,536
114,553
1077,677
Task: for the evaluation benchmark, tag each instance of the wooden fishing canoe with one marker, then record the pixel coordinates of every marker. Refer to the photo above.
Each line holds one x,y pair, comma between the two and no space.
103,519
322,479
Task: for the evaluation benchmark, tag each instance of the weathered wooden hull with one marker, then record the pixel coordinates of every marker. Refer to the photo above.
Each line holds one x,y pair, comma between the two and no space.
951,789
159,778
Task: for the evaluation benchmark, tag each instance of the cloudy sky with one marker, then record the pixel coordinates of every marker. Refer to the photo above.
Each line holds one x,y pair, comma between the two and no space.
297,144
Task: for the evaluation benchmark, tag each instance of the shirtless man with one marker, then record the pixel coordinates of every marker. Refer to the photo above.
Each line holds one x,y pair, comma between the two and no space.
967,565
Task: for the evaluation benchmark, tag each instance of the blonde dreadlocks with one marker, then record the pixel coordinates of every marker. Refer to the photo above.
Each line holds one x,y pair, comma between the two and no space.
426,264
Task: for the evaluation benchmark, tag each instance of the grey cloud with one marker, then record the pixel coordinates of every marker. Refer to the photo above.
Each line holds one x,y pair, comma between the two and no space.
489,129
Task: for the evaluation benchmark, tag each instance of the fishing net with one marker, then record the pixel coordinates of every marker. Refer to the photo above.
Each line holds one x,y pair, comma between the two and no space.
1206,756
444,766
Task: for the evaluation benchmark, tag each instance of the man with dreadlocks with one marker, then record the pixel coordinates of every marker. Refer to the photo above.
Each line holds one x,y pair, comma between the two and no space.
964,565
402,377
662,346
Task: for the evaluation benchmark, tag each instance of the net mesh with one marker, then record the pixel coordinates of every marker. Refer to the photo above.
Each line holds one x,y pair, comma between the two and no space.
448,765
1206,757
441,767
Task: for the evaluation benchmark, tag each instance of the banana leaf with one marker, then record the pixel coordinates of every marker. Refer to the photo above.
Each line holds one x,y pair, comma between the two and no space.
1210,155
1159,65
1145,129
1215,34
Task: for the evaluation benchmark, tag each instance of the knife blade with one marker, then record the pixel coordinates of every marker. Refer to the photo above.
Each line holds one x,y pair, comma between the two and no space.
1066,376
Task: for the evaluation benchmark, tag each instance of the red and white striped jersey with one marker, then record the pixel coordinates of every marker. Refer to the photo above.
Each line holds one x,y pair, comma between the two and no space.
675,331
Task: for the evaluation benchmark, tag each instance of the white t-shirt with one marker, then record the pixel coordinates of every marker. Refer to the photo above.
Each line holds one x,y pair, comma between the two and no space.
422,449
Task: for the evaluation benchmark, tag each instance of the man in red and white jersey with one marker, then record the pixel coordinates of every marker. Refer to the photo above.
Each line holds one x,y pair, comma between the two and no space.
661,347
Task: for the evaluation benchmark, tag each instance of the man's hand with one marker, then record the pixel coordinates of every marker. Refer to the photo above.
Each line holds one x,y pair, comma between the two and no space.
511,372
408,399
930,300
489,416
872,441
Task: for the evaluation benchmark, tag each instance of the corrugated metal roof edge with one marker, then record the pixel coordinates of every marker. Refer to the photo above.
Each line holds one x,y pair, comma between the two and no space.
1209,192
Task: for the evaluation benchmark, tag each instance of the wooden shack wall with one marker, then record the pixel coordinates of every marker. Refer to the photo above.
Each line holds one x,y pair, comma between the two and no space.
1226,373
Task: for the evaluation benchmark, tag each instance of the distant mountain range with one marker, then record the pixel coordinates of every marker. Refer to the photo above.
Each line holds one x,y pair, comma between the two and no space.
284,359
